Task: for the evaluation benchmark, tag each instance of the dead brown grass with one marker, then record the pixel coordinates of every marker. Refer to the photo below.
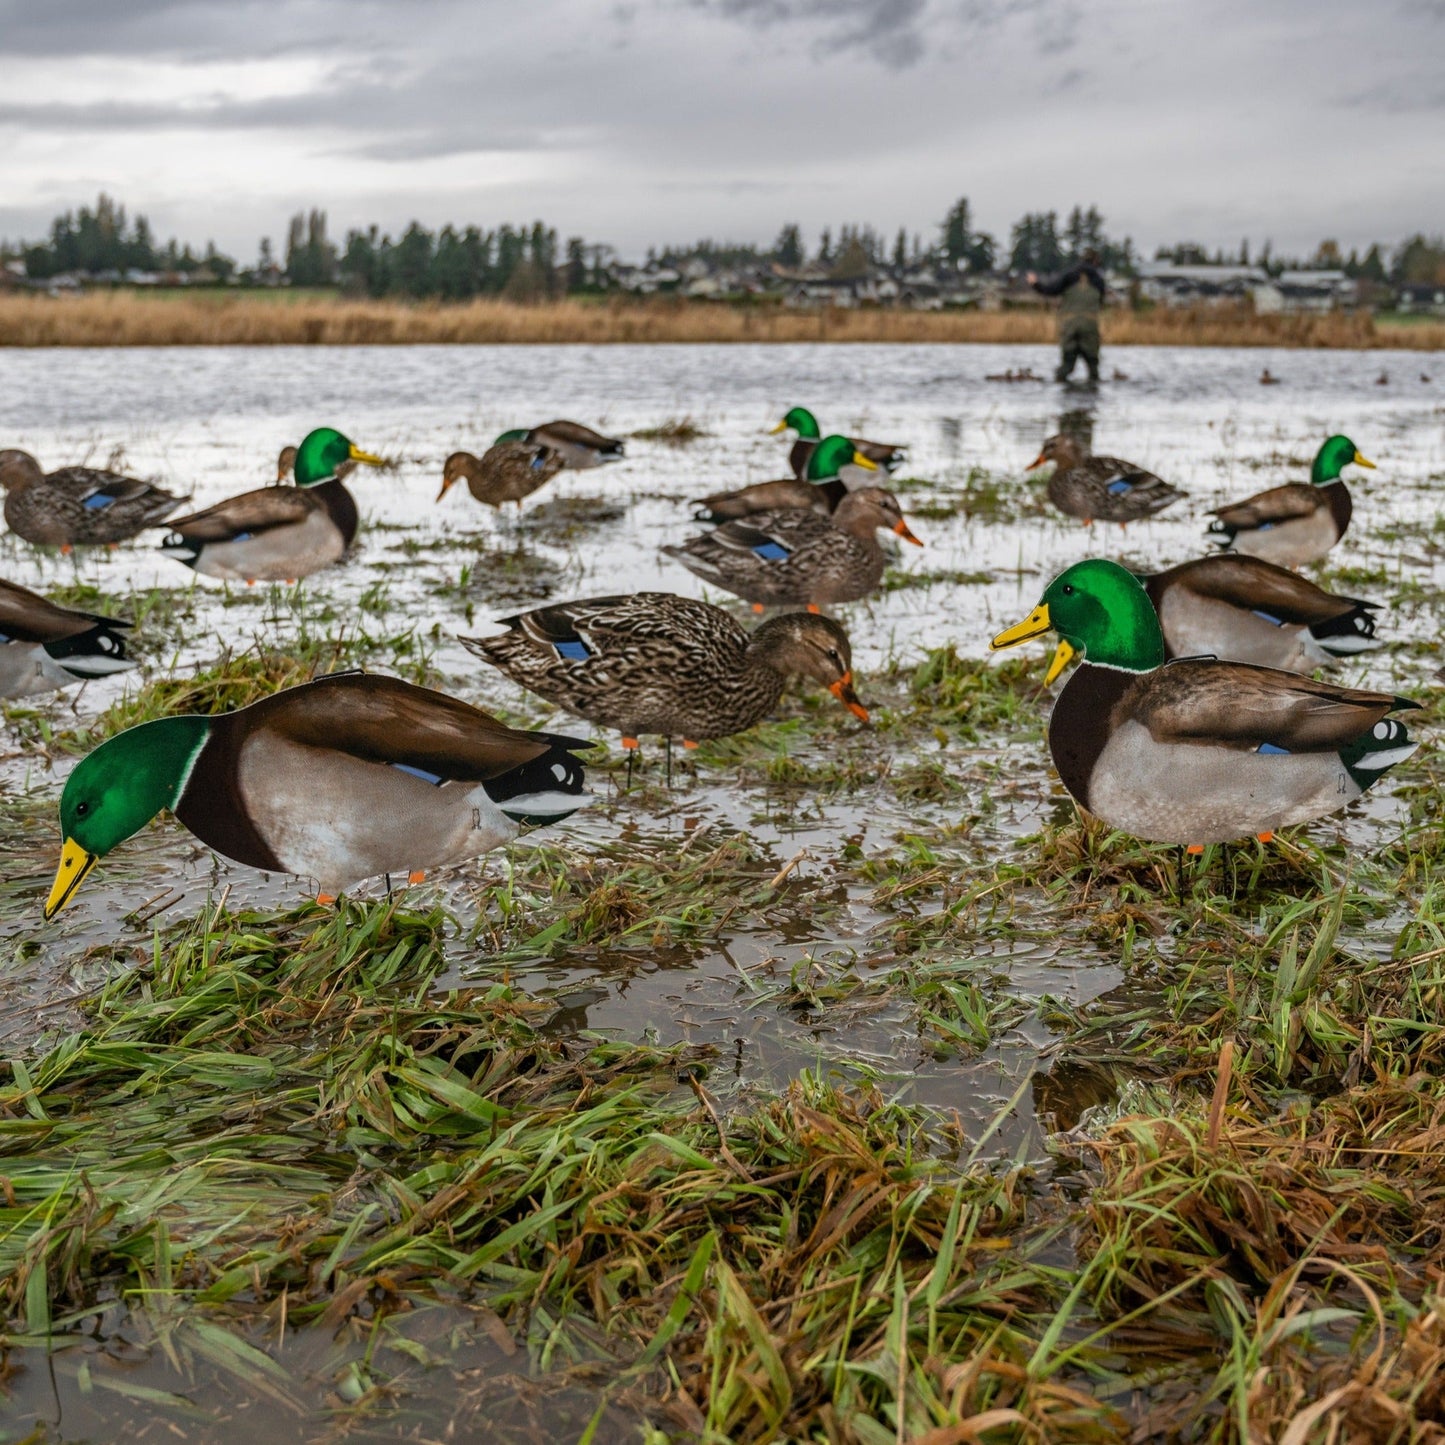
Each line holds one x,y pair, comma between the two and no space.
128,319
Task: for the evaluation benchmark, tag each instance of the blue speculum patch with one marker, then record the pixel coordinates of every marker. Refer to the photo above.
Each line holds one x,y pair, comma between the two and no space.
434,778
772,551
1268,617
573,649
1269,750
97,501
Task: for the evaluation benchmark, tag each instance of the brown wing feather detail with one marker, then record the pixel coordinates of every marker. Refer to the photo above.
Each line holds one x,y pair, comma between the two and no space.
25,616
1251,582
253,512
384,720
764,496
1239,705
1279,504
574,432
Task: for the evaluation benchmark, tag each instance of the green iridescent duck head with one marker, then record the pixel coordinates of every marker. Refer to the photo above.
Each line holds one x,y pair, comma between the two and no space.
322,451
831,455
1097,608
802,421
1333,457
116,790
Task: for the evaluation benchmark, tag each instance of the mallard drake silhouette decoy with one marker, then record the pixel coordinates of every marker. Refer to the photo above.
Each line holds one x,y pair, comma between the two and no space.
277,534
1196,751
44,646
1298,522
1244,609
578,446
340,779
887,455
820,489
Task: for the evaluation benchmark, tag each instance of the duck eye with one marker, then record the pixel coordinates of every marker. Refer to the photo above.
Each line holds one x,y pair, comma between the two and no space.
81,809
1069,590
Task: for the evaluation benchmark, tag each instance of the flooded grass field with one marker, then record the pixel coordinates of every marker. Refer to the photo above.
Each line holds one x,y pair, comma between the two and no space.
849,1088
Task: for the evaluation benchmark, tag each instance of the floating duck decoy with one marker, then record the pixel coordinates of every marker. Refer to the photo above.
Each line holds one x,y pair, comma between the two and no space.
1268,378
1024,373
507,471
1102,489
1196,751
579,447
796,557
1244,609
44,646
1383,379
821,488
277,534
340,779
887,455
1118,375
77,506
286,464
1298,522
654,662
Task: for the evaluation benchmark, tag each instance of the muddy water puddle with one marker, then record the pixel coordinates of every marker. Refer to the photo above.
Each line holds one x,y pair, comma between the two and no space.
773,992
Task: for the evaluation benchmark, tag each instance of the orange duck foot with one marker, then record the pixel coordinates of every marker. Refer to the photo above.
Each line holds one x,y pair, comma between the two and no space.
1195,849
326,899
1265,837
758,607
815,609
688,743
630,743
417,875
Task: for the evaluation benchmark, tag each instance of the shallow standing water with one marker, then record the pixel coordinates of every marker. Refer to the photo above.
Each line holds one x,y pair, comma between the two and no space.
210,421
764,984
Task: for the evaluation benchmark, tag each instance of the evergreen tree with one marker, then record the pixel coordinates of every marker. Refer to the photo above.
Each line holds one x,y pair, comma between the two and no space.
852,262
1034,244
1419,262
576,263
957,233
788,248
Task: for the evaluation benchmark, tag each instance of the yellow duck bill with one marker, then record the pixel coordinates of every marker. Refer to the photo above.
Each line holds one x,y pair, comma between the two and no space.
1035,625
366,458
75,866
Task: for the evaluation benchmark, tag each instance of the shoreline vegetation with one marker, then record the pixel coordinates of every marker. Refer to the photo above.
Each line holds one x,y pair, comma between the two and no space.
291,318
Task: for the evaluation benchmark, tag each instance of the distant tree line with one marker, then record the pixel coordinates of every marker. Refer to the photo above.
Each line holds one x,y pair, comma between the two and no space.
1419,260
101,241
526,263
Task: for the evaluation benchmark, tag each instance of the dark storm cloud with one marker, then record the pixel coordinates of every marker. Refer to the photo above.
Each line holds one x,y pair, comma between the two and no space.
636,121
888,30
198,29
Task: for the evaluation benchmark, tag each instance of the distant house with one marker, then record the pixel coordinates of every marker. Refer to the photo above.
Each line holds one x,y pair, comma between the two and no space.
1170,285
1314,291
1421,298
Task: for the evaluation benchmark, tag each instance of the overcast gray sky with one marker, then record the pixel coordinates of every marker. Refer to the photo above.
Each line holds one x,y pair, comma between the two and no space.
639,121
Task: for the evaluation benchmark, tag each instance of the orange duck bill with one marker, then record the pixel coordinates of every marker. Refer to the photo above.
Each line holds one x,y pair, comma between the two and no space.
843,691
902,529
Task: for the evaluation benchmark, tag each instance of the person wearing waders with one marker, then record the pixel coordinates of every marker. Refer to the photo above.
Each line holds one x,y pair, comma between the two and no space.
1080,290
